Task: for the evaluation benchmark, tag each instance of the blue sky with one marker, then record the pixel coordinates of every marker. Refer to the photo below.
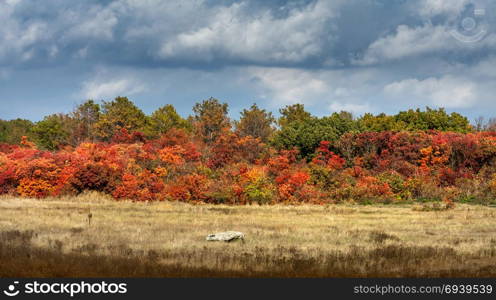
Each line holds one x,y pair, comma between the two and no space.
355,55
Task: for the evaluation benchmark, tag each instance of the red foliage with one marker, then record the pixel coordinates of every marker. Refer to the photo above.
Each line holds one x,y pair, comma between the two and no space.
7,148
96,176
188,187
230,148
370,188
123,136
282,161
145,186
361,167
328,158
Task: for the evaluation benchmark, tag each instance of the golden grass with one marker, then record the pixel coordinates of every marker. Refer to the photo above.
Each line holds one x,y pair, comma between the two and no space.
52,237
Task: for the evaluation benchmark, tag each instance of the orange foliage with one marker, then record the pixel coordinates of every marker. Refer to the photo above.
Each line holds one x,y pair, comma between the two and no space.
191,187
378,167
172,155
34,188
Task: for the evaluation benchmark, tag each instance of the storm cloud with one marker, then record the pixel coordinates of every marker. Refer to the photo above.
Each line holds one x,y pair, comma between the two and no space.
355,55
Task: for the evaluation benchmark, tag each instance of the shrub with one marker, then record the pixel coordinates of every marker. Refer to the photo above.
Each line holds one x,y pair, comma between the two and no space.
145,186
256,186
362,167
369,188
191,187
34,188
96,176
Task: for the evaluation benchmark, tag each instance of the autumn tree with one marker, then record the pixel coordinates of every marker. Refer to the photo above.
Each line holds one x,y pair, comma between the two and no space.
291,113
84,117
53,131
256,122
210,118
118,114
164,119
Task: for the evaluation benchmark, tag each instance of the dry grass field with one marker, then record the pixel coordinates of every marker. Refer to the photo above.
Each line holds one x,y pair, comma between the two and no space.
53,237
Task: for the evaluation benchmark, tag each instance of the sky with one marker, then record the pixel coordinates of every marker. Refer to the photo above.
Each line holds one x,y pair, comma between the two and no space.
354,55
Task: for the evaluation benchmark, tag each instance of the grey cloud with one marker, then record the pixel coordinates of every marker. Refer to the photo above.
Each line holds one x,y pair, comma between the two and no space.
331,54
440,32
211,34
259,39
164,32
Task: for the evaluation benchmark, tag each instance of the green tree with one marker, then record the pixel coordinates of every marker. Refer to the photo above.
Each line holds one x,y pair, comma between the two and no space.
433,119
163,119
117,114
211,118
256,122
412,120
52,132
381,122
306,135
292,113
12,131
342,122
4,131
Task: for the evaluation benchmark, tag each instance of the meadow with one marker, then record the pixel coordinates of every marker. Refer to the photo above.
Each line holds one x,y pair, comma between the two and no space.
92,235
107,191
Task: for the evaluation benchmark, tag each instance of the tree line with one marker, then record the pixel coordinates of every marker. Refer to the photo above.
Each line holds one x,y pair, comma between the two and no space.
295,128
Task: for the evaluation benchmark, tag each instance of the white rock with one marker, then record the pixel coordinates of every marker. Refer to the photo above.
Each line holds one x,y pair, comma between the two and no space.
227,236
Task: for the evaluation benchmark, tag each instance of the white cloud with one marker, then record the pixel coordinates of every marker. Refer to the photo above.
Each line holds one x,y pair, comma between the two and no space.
289,86
99,89
421,41
447,91
232,33
323,91
95,23
135,38
24,39
191,30
16,37
407,41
